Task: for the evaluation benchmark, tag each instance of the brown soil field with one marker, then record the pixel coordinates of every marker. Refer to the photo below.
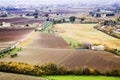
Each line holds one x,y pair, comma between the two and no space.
85,33
14,34
21,20
48,48
45,40
10,76
50,41
9,36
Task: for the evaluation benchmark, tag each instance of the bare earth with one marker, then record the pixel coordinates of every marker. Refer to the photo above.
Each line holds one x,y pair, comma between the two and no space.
10,36
10,76
86,33
45,48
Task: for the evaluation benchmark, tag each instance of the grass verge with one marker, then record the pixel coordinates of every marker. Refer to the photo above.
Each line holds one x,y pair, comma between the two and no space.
74,77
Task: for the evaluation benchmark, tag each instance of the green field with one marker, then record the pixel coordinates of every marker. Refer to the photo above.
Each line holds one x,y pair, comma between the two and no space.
73,77
72,42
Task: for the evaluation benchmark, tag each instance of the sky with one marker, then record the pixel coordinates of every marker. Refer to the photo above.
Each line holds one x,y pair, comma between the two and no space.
4,2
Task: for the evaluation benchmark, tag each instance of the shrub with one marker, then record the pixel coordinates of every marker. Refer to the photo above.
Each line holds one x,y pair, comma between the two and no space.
49,69
96,44
94,71
113,73
62,71
86,45
86,71
107,48
77,71
115,51
21,68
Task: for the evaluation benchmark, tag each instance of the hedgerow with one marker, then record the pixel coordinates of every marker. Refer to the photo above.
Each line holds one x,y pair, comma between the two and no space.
21,68
50,69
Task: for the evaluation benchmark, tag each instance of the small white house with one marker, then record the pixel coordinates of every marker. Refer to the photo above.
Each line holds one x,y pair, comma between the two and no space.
98,48
103,27
4,24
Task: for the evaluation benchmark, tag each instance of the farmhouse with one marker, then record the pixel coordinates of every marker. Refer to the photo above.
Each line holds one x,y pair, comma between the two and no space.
4,24
98,48
104,14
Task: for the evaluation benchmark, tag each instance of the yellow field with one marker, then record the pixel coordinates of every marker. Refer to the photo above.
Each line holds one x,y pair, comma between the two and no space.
86,33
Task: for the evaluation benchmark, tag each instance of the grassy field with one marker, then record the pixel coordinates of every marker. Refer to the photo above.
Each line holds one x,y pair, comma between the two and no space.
73,77
86,33
72,42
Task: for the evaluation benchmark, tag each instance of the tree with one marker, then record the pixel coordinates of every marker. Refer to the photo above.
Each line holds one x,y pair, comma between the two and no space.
27,14
1,24
50,10
27,25
82,19
47,19
109,22
46,15
57,14
72,19
4,15
35,14
91,13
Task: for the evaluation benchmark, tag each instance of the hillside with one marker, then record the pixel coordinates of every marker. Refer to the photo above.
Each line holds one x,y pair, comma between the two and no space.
41,53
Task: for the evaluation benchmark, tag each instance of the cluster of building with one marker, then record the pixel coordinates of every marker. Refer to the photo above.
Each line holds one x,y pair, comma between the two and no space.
101,13
3,13
105,11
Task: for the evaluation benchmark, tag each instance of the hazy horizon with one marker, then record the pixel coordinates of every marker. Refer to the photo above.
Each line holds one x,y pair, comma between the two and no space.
10,2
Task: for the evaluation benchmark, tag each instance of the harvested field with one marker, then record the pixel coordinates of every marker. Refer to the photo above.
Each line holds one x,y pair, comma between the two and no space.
37,52
86,33
10,76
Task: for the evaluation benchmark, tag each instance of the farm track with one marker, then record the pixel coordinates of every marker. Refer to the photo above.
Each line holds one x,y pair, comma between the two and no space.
10,76
51,48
